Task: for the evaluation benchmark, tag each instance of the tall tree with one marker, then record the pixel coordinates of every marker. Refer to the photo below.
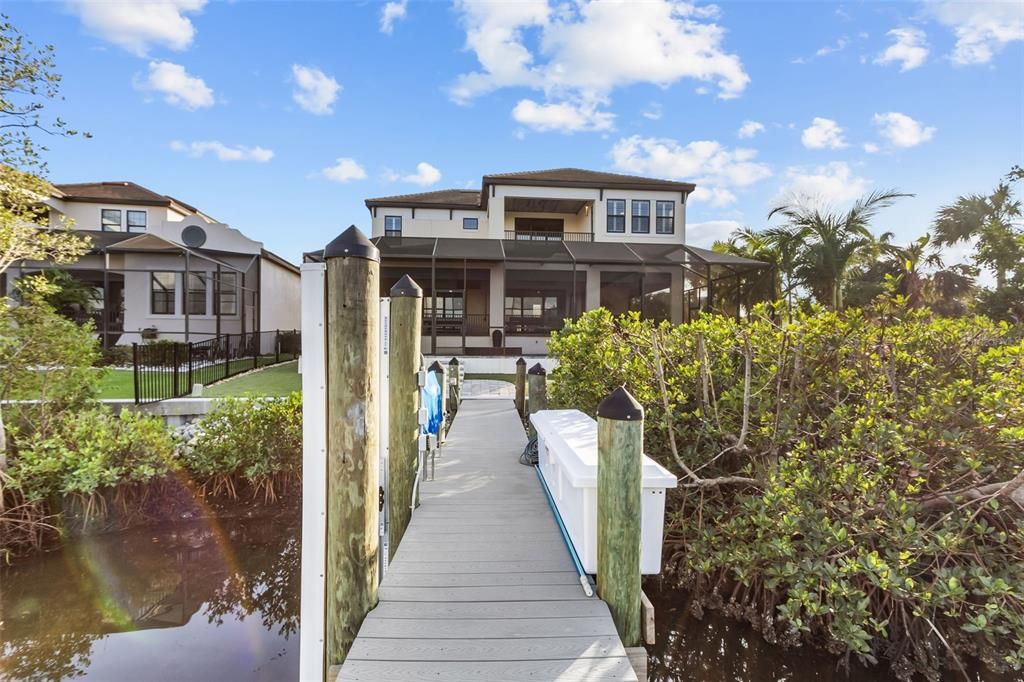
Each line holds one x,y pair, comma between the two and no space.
993,222
828,243
28,81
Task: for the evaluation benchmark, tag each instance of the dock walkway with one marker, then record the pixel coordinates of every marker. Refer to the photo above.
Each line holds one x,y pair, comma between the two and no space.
482,587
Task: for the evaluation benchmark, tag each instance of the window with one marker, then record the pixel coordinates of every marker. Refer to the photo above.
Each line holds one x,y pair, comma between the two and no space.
616,215
136,221
196,300
449,307
110,219
641,216
161,293
470,223
227,293
665,219
392,226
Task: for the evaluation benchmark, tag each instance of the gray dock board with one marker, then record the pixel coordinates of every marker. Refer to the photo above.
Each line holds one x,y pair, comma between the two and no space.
482,587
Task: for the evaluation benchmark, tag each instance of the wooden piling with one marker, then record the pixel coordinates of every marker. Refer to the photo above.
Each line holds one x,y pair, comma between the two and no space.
456,390
403,405
353,337
620,444
537,400
521,387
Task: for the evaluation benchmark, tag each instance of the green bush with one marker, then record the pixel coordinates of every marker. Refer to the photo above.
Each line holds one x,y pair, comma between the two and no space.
254,440
90,450
862,490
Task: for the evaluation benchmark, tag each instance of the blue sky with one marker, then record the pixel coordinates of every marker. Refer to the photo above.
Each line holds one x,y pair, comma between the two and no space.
280,118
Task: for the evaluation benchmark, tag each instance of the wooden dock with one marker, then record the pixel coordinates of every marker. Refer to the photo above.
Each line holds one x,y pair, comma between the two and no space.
482,586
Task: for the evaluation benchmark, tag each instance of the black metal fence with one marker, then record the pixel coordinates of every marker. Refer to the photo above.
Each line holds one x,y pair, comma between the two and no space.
169,369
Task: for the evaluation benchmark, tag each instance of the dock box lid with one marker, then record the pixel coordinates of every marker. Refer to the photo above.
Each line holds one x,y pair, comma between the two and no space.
571,437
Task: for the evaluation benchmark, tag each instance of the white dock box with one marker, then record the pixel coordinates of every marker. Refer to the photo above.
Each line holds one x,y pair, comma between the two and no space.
567,449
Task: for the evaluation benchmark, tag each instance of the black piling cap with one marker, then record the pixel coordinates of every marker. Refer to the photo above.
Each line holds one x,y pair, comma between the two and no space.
521,362
406,288
537,370
352,243
436,367
620,406
453,362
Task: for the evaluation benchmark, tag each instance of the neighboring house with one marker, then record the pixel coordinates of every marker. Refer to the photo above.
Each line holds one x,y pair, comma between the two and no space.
503,266
163,269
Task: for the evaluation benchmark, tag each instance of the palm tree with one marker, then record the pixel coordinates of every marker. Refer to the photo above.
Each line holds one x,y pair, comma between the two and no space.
990,220
828,243
768,246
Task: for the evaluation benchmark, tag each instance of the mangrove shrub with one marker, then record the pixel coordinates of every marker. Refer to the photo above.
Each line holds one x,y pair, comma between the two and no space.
852,480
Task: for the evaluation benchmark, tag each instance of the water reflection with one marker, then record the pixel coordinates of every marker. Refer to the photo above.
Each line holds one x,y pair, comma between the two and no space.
717,649
196,601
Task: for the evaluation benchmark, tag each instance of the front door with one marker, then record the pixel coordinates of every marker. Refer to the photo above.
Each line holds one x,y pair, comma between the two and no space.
540,228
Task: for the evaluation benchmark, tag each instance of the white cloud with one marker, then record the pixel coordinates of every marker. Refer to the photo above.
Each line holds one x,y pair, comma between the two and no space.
390,13
222,151
178,87
910,49
425,175
750,128
315,91
982,28
562,117
871,147
829,49
715,169
823,133
653,112
710,231
344,170
570,59
832,183
901,130
136,26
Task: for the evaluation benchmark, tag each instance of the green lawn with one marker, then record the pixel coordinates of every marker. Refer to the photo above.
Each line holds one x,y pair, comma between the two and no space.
510,378
274,381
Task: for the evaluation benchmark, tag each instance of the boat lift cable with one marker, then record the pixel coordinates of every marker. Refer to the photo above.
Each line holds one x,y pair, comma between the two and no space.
588,589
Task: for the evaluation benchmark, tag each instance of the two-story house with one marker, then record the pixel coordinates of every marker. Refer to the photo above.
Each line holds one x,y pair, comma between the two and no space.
162,269
503,266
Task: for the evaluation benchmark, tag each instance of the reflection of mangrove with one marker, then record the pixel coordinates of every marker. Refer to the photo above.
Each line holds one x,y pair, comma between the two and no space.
52,607
695,645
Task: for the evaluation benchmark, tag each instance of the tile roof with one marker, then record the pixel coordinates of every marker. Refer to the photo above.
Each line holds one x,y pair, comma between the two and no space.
583,177
121,192
553,177
468,198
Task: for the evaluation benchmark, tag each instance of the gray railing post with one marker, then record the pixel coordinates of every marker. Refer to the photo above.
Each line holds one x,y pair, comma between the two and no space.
620,445
227,355
403,404
353,338
137,370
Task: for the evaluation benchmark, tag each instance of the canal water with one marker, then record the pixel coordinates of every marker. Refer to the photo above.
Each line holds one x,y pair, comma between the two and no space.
193,601
219,601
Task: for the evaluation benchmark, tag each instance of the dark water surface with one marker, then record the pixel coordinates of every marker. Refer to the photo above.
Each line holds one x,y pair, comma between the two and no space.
193,601
715,648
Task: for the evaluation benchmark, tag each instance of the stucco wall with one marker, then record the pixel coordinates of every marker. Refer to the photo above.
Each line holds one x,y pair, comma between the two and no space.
280,295
431,222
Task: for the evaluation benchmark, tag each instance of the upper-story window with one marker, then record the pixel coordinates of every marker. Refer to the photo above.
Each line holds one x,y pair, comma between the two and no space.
665,217
641,216
162,293
470,223
616,215
136,221
392,226
110,219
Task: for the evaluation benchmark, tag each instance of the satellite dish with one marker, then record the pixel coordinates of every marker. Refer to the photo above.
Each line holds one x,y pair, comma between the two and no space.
193,236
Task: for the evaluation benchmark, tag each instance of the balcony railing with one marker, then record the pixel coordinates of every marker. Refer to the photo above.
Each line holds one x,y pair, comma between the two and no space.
474,324
539,236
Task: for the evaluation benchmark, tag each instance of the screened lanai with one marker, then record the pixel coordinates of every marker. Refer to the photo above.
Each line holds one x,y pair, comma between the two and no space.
497,293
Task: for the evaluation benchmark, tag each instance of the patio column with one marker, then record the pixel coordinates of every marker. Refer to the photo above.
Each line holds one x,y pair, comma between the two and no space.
593,288
496,298
185,288
676,297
